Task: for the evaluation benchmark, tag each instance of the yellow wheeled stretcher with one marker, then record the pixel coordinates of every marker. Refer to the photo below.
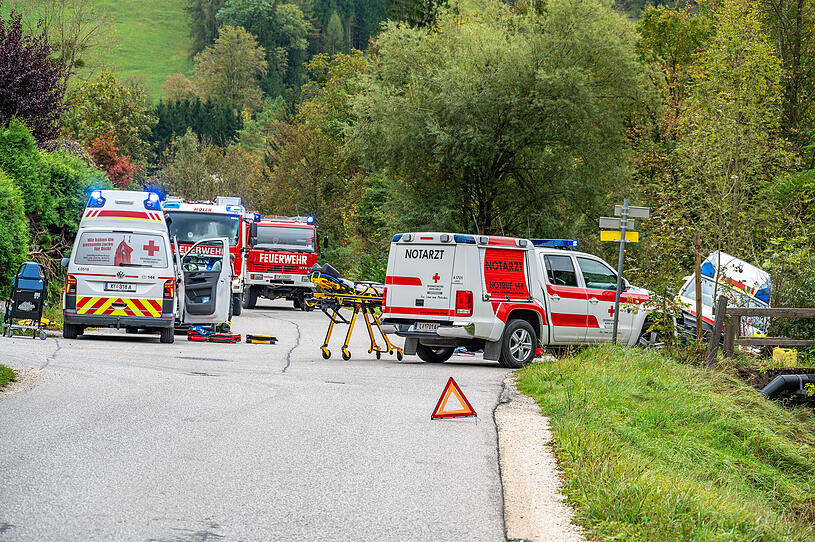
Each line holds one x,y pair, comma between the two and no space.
362,297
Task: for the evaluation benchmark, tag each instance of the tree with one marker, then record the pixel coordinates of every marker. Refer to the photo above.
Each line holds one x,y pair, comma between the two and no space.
215,122
177,87
481,121
334,33
119,169
73,27
106,105
230,68
13,234
31,78
203,24
416,13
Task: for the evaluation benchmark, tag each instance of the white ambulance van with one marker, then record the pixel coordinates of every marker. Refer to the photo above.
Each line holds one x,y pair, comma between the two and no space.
506,295
123,274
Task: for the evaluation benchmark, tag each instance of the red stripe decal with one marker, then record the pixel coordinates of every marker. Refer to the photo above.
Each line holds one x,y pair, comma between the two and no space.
123,214
403,281
569,292
502,310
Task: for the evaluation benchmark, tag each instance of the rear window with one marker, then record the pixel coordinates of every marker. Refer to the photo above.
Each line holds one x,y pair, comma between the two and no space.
117,249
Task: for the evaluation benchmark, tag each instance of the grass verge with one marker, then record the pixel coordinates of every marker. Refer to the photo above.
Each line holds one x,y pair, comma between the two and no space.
6,376
652,449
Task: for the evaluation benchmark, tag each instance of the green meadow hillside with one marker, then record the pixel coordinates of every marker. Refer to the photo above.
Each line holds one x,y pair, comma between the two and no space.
150,39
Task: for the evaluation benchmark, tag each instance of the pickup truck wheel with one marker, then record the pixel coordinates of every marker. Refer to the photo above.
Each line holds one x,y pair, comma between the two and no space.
237,304
167,335
651,339
250,297
433,355
69,331
519,344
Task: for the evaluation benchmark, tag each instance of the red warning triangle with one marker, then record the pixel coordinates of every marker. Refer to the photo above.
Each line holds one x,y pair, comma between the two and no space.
449,409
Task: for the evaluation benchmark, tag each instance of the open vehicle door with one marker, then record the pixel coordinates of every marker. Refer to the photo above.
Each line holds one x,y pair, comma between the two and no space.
205,284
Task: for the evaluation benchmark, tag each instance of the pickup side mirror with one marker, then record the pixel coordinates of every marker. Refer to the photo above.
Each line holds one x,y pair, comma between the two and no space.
325,242
64,262
253,234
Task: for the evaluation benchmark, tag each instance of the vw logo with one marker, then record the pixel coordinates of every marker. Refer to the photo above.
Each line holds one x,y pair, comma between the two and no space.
120,274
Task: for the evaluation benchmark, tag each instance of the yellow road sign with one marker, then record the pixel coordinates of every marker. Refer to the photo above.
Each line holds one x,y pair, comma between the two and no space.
610,235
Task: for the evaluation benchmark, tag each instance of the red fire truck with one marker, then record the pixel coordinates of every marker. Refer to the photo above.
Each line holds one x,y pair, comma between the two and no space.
192,221
282,251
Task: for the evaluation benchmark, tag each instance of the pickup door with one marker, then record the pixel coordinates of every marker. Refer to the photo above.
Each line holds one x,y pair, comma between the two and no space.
568,303
601,289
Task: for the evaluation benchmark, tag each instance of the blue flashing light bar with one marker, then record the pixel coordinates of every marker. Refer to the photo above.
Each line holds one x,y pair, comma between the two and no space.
172,205
466,239
309,219
96,199
555,243
397,237
234,209
153,202
256,217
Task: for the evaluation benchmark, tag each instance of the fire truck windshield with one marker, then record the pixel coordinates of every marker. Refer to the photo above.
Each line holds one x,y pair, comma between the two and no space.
285,238
192,227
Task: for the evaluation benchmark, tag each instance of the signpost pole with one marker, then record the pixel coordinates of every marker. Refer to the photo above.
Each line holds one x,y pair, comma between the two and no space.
623,224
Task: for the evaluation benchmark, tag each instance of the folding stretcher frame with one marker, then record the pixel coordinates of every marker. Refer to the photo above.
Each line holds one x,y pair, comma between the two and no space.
336,296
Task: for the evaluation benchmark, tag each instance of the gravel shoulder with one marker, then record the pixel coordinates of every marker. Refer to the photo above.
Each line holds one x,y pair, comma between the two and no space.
534,508
25,380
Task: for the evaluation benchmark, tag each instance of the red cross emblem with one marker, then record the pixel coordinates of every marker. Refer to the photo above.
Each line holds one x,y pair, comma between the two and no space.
151,247
436,277
611,311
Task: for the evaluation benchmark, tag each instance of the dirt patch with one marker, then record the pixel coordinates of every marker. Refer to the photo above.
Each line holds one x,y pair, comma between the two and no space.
534,508
25,380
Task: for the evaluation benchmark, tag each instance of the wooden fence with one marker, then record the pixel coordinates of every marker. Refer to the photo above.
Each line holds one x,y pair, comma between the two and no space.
728,323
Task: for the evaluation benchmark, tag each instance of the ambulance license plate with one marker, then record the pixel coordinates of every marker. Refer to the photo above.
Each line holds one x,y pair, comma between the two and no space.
120,287
425,326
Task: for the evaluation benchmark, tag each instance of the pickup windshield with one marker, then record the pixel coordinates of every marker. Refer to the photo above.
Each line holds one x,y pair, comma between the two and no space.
285,238
192,227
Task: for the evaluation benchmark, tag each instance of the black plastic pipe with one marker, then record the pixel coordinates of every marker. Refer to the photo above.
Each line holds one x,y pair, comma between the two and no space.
787,382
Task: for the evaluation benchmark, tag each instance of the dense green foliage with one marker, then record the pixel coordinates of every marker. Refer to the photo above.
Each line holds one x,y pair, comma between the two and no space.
6,376
13,234
216,122
652,449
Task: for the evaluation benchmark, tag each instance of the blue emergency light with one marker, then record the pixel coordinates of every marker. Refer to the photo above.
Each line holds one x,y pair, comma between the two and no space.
396,238
466,239
309,220
555,243
153,202
172,205
234,209
96,199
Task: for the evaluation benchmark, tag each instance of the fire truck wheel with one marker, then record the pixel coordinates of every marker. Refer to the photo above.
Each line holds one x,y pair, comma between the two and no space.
70,331
519,344
433,354
237,305
250,297
167,335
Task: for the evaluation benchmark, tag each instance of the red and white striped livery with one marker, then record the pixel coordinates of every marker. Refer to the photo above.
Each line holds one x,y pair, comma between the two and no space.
509,296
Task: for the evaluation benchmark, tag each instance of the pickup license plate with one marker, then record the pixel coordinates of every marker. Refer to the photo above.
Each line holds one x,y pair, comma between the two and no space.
425,326
119,287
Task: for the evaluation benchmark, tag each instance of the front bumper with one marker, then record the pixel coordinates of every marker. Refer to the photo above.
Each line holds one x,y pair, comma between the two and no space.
117,321
287,281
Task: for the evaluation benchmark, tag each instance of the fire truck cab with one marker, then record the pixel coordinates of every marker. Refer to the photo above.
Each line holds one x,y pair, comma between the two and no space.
281,252
190,222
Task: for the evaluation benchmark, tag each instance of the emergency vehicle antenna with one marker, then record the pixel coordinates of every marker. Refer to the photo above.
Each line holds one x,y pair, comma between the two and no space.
362,297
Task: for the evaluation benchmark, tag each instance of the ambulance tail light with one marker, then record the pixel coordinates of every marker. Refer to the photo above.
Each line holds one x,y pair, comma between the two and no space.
464,303
70,285
169,289
384,298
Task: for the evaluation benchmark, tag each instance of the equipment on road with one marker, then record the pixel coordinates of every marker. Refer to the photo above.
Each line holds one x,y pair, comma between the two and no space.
28,293
446,409
362,297
261,339
201,335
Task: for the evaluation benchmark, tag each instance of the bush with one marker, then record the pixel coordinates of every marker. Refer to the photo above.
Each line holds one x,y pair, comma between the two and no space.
13,234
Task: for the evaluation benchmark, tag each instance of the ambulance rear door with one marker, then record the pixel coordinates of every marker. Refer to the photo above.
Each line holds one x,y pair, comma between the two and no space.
419,277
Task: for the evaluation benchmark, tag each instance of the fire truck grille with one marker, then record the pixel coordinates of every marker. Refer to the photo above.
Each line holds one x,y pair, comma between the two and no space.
275,268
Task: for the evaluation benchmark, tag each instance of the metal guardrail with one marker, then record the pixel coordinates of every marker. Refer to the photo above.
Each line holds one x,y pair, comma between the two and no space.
727,326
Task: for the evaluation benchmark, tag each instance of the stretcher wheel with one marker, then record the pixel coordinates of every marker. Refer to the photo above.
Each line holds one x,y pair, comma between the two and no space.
42,335
326,352
399,355
346,354
378,354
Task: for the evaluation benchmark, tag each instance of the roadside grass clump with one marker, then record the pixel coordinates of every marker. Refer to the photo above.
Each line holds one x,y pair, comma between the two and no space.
6,376
654,449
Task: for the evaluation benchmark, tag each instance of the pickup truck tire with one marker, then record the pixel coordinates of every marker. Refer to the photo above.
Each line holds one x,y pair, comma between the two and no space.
433,355
237,304
518,345
69,331
167,335
250,297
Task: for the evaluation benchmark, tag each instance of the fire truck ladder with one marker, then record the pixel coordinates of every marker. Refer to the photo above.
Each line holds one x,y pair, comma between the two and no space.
361,297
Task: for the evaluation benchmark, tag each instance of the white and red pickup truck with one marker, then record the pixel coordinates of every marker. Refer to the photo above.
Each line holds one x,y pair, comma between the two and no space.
509,296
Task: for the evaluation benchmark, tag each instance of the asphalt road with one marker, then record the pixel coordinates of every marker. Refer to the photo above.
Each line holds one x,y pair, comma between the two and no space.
130,439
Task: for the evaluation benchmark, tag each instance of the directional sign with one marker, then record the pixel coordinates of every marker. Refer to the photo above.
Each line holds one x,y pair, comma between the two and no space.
614,223
633,212
457,407
630,236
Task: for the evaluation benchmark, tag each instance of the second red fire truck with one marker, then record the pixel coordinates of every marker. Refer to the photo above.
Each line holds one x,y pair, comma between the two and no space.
281,252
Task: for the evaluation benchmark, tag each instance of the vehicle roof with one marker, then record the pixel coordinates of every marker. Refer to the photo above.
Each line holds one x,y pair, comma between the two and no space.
123,209
202,208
